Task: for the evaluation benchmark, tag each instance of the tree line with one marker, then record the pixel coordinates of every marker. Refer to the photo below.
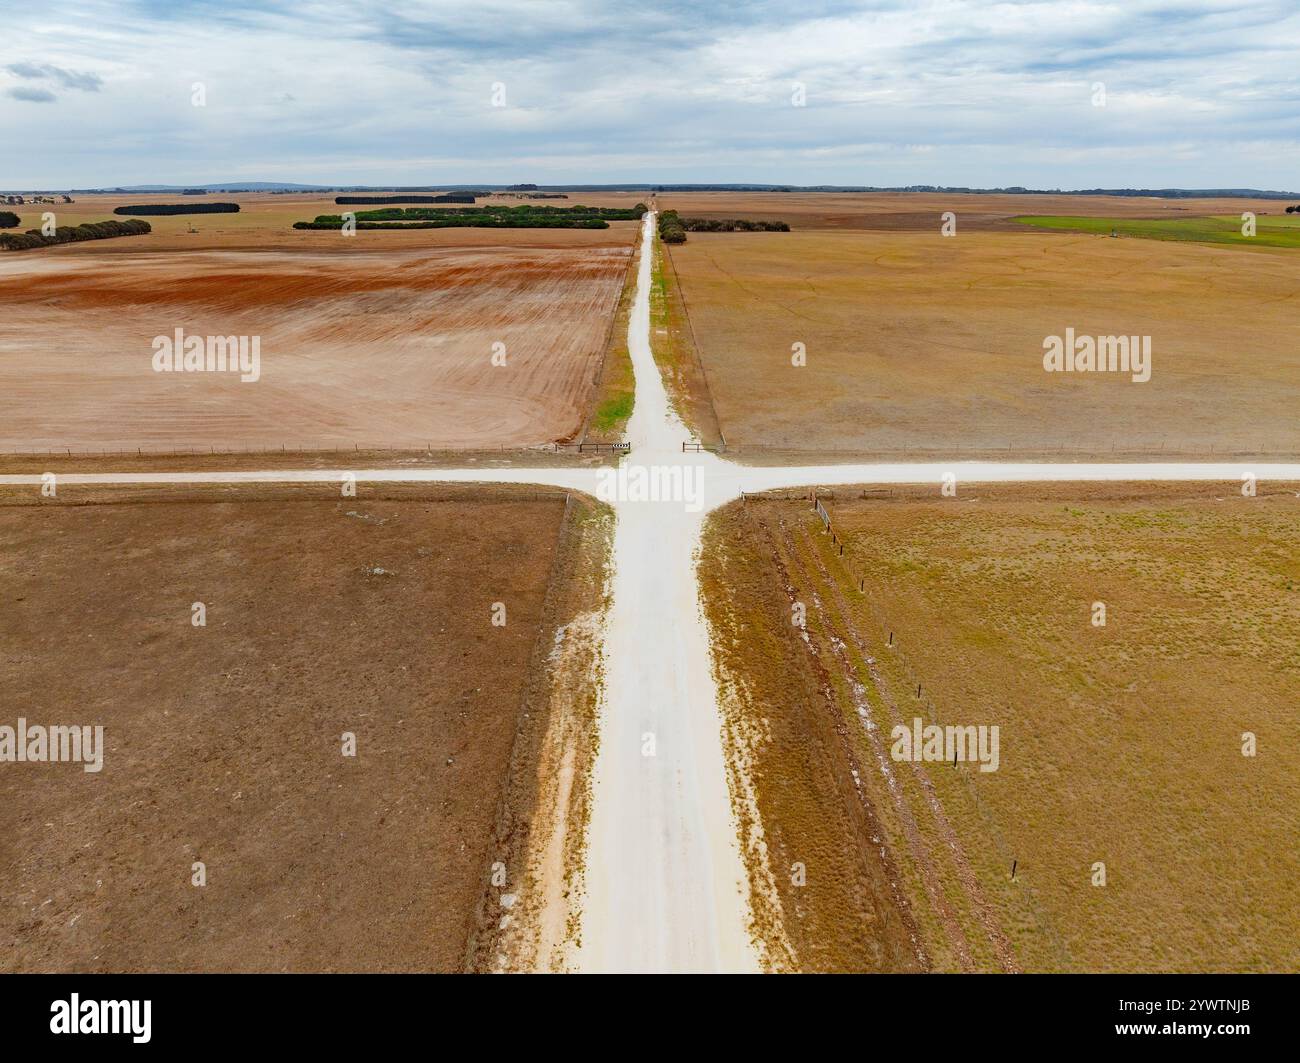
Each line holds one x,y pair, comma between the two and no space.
335,221
451,197
527,210
150,209
522,217
68,234
733,225
673,228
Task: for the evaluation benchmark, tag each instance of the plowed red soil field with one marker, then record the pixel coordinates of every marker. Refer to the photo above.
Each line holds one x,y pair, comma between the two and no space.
389,347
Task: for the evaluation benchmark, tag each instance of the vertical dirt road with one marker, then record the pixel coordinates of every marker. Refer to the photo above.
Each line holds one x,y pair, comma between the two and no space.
665,882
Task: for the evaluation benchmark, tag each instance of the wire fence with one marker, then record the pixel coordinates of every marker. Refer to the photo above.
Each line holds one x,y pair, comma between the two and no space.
924,700
177,450
799,452
1029,450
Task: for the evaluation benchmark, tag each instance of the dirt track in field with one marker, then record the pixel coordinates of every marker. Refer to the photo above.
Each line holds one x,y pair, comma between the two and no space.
223,743
389,349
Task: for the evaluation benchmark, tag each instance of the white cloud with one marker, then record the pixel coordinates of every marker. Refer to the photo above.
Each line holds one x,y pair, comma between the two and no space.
379,92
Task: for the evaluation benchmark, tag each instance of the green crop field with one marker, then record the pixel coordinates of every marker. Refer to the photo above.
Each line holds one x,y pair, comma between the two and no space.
1270,231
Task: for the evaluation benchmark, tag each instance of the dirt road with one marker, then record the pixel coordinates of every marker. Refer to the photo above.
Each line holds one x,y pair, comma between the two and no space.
665,883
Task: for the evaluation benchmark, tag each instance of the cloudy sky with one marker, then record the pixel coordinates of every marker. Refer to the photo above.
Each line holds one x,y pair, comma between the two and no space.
1192,93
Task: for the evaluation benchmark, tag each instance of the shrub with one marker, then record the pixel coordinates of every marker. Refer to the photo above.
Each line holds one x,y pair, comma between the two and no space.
671,229
8,219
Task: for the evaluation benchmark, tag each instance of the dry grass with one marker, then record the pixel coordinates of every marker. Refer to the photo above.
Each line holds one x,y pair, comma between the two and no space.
673,342
921,211
616,389
922,345
792,765
1120,744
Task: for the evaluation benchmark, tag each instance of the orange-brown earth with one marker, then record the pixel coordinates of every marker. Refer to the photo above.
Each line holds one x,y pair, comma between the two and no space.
360,345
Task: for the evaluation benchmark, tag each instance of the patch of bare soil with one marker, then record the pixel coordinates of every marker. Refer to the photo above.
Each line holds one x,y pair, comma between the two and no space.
224,743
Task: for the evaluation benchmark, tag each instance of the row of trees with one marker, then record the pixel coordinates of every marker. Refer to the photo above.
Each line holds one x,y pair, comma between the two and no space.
733,225
18,201
673,228
451,197
488,221
525,211
522,217
67,234
150,209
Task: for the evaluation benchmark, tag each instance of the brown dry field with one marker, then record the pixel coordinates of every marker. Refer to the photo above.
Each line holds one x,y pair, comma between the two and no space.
921,211
919,345
360,345
223,742
265,220
1119,744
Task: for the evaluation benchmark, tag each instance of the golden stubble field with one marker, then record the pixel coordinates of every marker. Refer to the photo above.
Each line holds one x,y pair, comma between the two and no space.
1120,745
921,211
922,345
370,615
364,341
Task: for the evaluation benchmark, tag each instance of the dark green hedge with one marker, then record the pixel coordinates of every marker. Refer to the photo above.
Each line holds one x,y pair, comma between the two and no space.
527,211
528,216
451,197
733,225
335,221
68,234
149,209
